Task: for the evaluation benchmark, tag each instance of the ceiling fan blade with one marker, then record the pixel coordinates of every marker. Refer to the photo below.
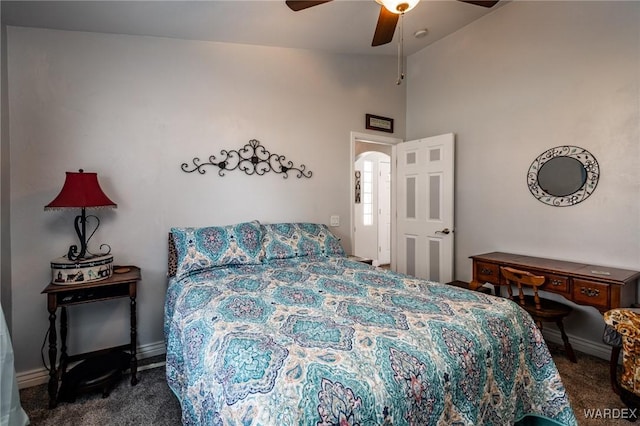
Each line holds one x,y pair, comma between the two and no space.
385,28
483,3
297,5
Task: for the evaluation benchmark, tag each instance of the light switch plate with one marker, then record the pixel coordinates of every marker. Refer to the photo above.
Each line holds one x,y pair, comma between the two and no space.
335,220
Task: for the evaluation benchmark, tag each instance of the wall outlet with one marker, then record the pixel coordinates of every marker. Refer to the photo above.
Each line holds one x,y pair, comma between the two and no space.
335,220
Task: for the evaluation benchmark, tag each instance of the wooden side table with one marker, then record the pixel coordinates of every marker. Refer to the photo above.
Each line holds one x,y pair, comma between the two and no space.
465,285
360,259
117,286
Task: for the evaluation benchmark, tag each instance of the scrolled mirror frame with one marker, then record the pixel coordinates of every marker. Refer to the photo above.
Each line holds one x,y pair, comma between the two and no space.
587,160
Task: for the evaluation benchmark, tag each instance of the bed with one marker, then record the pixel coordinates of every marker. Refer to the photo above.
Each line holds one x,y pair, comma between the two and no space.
271,324
11,413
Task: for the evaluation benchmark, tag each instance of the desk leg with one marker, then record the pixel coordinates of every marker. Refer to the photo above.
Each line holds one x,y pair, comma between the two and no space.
134,359
53,354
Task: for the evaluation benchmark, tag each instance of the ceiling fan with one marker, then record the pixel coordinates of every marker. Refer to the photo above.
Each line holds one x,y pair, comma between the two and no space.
390,11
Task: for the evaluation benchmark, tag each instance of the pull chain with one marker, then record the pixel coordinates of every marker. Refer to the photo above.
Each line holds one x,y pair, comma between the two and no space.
401,52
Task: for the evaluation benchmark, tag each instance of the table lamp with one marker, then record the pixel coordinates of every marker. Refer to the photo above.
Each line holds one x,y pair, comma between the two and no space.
81,190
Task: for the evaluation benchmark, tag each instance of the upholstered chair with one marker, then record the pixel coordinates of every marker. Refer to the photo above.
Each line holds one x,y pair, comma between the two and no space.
626,323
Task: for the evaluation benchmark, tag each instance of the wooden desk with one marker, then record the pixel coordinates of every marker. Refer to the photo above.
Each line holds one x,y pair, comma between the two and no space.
602,287
116,286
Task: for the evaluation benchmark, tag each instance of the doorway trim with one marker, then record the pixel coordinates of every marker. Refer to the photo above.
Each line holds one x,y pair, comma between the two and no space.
375,139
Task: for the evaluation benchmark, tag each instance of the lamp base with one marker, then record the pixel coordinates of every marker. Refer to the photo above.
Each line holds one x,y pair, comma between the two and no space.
69,272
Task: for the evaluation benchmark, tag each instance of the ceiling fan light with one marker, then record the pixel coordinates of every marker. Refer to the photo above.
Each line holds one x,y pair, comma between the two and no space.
398,6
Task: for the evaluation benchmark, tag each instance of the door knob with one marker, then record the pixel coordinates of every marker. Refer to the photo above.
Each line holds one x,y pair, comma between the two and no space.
444,231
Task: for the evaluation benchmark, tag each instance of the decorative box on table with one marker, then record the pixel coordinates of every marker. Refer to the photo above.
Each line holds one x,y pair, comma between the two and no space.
65,271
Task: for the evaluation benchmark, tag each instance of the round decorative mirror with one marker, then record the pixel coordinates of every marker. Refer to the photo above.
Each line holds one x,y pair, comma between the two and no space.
563,176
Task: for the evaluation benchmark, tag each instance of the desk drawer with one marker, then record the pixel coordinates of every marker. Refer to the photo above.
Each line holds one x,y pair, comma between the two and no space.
556,283
487,273
83,295
591,293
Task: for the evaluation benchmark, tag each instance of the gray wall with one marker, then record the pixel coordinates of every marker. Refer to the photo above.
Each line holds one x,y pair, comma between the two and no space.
525,78
5,241
133,109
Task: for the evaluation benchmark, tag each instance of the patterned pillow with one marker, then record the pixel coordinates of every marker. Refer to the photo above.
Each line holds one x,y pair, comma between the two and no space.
202,248
287,240
280,241
317,239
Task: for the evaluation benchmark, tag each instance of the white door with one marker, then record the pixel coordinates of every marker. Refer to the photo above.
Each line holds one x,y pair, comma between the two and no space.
384,213
424,208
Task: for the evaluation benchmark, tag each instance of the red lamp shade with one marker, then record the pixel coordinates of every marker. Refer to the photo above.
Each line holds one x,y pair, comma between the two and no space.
80,190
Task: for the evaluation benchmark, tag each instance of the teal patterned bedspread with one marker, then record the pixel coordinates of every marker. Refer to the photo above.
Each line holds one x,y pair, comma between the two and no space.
327,341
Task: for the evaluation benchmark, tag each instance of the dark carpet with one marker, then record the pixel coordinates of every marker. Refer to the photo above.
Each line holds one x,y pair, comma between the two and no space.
587,383
151,402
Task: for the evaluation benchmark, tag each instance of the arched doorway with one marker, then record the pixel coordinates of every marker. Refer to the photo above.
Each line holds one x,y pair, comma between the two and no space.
373,240
372,207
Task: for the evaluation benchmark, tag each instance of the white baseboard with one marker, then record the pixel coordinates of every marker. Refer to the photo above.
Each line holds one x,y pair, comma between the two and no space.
599,350
40,376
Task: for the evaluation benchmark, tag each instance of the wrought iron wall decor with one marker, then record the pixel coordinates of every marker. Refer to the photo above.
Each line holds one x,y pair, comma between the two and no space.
252,159
563,176
358,189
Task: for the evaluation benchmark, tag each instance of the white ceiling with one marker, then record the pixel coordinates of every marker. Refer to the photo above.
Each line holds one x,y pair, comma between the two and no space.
343,26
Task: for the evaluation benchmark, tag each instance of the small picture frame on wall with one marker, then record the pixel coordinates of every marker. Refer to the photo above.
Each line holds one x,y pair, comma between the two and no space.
376,122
